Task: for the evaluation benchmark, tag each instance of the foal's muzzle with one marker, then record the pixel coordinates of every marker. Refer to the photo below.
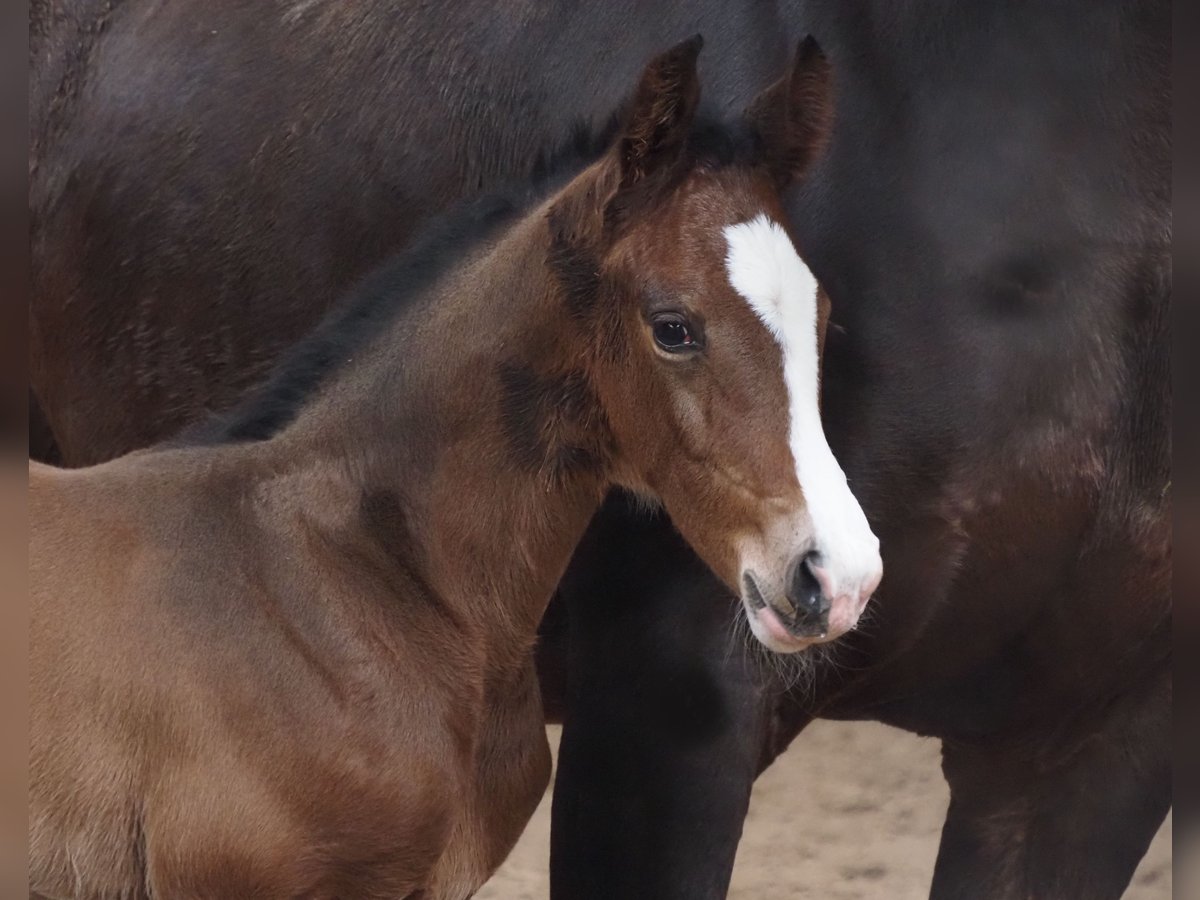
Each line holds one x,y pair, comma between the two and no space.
788,621
809,604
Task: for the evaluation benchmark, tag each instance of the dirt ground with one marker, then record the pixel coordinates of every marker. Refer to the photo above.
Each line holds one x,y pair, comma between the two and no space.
851,812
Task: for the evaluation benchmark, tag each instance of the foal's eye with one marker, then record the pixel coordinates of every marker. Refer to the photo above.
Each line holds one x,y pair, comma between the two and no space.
672,334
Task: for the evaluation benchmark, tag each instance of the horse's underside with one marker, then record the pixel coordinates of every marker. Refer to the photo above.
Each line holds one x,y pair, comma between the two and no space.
992,222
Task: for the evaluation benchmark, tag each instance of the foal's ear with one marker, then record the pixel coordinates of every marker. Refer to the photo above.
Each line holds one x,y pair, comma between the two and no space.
657,123
794,116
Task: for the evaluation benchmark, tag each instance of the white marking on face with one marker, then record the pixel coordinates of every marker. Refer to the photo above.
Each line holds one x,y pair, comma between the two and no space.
764,267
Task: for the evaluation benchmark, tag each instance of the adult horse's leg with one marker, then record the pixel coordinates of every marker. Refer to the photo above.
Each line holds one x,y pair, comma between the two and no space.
1064,819
665,724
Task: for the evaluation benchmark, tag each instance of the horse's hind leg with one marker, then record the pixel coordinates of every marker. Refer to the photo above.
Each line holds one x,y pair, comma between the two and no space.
1068,819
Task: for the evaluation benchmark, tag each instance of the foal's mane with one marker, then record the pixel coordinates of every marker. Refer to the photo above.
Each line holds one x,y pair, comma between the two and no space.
398,282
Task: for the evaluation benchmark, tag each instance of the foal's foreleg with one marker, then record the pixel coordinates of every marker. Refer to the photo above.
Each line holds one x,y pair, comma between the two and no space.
512,770
1067,820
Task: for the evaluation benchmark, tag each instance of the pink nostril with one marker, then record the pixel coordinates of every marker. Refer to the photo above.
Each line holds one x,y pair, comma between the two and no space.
823,578
858,597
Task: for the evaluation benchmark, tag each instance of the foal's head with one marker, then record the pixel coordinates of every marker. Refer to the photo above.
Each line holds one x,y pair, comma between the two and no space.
702,326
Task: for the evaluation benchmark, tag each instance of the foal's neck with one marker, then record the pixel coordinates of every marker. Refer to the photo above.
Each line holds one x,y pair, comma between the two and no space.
465,439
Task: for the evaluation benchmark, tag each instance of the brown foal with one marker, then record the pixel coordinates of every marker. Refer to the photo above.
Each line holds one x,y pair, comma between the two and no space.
299,663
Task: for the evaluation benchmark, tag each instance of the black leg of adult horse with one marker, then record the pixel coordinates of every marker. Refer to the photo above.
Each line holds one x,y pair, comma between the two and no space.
42,445
663,737
1068,820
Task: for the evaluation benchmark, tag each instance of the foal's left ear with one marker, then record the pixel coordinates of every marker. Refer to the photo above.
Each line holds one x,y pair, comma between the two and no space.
794,116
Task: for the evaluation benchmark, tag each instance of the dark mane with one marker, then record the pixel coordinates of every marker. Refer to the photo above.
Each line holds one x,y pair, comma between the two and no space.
385,292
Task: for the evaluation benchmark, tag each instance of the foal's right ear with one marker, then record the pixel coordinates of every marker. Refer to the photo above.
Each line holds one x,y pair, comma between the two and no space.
653,136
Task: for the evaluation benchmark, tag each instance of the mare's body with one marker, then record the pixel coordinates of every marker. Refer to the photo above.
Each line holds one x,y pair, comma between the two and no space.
997,388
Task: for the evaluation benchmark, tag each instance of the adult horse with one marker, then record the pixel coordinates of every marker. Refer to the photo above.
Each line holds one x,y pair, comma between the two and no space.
996,387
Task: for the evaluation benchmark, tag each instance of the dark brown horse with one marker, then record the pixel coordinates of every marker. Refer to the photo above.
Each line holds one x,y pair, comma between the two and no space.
298,662
207,178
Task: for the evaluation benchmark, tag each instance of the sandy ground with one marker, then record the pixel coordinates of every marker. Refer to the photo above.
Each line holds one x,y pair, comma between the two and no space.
851,812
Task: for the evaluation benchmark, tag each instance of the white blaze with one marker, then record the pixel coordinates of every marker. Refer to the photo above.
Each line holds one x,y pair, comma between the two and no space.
765,269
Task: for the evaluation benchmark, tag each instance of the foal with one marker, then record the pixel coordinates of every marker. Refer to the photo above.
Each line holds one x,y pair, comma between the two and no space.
297,663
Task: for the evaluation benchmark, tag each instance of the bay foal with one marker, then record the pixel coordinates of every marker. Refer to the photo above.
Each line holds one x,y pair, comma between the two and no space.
295,660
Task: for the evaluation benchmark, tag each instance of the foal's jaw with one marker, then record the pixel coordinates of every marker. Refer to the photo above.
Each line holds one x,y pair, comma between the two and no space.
807,576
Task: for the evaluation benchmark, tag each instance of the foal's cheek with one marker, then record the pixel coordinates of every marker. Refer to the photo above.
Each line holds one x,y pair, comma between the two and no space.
689,414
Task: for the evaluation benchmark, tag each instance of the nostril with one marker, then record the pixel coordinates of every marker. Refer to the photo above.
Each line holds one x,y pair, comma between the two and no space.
750,587
807,595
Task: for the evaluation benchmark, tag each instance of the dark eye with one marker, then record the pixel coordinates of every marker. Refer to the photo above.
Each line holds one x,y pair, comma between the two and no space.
672,334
